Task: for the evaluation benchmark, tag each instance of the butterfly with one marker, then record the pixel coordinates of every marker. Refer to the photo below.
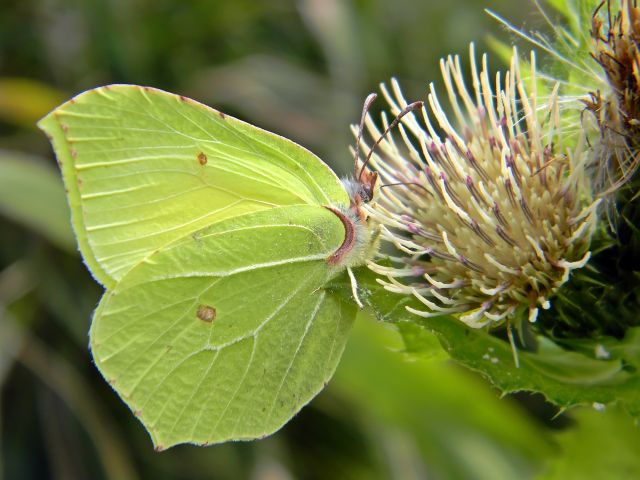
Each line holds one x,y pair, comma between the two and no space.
216,242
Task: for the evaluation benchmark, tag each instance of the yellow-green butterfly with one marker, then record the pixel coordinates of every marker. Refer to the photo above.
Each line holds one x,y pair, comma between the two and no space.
216,242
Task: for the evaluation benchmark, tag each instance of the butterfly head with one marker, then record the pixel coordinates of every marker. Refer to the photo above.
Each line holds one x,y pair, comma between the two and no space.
361,189
361,232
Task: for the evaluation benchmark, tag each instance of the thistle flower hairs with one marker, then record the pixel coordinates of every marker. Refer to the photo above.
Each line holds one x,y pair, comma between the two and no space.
617,106
487,218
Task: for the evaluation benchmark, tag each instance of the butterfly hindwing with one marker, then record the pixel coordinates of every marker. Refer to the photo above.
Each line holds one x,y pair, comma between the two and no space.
227,333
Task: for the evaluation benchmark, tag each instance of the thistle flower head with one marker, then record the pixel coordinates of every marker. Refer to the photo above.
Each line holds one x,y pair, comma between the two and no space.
490,216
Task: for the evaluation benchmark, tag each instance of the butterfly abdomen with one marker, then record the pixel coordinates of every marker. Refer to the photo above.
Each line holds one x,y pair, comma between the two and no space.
359,243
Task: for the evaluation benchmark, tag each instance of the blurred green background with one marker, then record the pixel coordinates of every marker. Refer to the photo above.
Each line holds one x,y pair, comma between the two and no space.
301,69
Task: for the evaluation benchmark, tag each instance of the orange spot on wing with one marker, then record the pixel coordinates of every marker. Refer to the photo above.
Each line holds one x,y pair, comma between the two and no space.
206,313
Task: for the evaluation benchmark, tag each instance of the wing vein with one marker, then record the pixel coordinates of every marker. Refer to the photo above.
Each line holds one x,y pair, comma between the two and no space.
307,327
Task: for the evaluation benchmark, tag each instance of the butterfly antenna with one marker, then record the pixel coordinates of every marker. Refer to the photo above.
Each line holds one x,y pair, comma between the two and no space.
365,109
405,184
408,109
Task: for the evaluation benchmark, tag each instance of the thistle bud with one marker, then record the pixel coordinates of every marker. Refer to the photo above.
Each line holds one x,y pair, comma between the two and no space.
617,106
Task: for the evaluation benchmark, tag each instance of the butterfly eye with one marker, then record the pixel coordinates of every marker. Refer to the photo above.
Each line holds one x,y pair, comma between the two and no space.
368,184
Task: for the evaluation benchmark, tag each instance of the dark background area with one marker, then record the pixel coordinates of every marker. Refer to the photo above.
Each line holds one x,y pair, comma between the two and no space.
301,69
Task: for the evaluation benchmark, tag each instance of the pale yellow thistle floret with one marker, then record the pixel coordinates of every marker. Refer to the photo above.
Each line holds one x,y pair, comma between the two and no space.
490,216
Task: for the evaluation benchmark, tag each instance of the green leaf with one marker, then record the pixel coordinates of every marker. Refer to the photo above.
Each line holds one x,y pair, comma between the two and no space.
602,444
565,377
627,349
213,239
419,342
461,428
32,194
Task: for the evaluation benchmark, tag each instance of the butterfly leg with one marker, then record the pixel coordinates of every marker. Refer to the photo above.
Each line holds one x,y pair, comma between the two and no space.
514,348
354,287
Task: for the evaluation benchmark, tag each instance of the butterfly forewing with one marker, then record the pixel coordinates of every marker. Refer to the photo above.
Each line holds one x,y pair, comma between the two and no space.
144,167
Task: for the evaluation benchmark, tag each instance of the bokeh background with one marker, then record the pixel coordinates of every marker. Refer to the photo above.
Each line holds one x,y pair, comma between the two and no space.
302,69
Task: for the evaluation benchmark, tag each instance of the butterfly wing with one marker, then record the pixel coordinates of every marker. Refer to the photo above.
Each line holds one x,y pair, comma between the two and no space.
143,167
211,238
227,333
